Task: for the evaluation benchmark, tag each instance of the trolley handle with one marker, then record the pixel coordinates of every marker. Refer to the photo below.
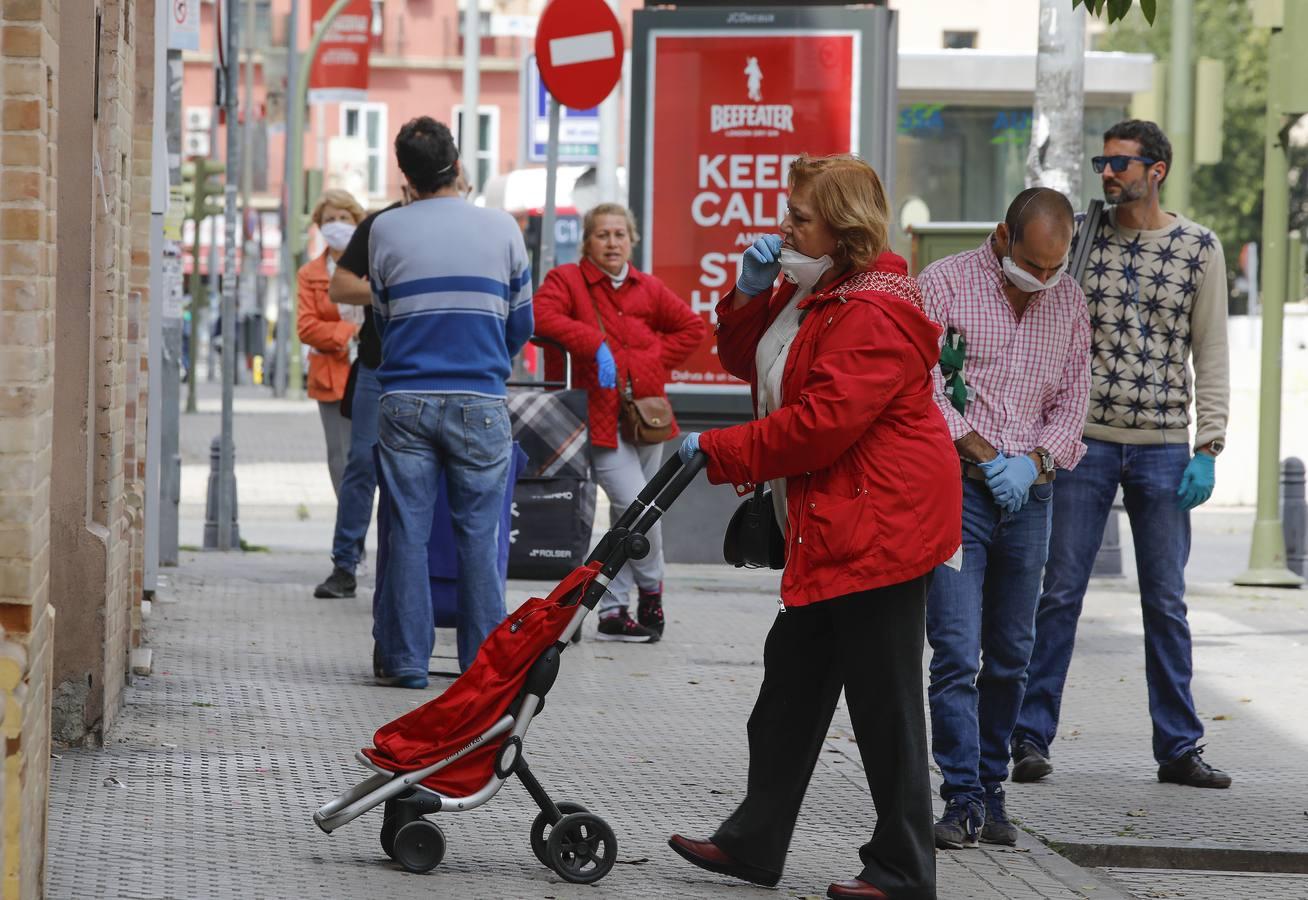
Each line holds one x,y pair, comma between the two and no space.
565,384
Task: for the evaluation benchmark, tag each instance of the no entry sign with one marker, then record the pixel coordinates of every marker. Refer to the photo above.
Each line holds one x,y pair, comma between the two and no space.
579,51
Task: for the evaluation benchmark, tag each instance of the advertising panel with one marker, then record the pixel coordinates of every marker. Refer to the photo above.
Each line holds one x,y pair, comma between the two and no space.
340,70
579,129
726,113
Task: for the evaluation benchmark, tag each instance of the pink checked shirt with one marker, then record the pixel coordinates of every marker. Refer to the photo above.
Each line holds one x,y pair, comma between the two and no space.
1031,376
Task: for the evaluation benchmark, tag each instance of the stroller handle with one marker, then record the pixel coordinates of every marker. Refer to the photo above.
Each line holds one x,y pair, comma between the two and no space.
665,487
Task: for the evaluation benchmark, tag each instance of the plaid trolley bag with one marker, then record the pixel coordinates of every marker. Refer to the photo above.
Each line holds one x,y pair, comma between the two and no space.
554,499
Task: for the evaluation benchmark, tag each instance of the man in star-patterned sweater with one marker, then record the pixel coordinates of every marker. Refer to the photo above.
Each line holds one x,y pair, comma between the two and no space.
1156,288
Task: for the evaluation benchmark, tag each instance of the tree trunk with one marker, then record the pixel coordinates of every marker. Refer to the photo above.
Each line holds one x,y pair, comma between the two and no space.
1057,142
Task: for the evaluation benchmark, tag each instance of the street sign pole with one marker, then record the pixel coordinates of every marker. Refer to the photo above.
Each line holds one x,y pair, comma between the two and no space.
285,297
551,183
226,459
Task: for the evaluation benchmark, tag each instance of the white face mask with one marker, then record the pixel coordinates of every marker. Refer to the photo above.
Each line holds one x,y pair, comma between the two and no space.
803,271
337,234
1025,281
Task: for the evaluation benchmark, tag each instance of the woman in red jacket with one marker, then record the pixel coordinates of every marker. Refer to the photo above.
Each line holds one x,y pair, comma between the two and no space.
625,331
326,328
865,486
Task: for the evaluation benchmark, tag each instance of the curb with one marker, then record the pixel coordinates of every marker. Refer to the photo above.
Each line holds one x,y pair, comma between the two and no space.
1068,871
1194,855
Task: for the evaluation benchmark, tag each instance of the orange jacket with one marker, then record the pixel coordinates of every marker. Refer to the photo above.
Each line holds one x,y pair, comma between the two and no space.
320,327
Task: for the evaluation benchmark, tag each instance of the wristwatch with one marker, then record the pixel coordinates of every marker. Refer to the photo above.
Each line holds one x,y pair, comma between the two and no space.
1046,460
1215,446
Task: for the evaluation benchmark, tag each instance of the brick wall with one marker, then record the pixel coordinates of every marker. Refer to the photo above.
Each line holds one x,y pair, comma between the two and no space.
28,70
113,243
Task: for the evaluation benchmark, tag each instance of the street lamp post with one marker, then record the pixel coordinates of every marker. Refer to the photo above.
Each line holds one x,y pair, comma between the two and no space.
298,100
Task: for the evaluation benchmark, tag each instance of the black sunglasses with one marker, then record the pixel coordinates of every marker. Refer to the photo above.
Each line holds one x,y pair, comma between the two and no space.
1118,163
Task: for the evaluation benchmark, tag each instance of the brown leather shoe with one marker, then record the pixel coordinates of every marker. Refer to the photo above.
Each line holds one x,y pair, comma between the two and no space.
856,888
708,855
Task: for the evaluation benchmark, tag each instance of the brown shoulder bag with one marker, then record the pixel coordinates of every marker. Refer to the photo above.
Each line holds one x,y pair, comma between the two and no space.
644,420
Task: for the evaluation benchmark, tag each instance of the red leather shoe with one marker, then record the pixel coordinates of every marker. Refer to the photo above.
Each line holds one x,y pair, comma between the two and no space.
856,888
708,855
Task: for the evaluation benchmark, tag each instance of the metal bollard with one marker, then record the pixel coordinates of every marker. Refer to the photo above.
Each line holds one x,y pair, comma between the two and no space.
1108,561
211,500
1294,514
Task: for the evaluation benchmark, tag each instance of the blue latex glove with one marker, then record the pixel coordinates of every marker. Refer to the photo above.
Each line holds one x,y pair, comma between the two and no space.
608,367
1011,484
689,447
760,267
1198,482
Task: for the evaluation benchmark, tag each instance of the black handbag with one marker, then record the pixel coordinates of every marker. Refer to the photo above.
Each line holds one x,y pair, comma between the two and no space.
753,539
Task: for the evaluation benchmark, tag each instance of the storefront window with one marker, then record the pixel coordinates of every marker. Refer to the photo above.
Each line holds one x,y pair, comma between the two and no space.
966,163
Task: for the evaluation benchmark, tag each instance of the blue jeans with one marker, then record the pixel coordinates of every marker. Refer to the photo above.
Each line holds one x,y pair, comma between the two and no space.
981,625
468,437
1149,475
359,481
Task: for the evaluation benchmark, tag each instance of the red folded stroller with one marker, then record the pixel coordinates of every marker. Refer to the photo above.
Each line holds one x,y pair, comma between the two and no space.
456,752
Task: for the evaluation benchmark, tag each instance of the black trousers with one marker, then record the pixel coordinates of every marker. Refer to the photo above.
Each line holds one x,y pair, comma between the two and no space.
870,644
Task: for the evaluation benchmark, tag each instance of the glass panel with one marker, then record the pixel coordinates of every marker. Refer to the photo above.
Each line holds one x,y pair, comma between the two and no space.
374,173
484,130
351,123
483,171
374,128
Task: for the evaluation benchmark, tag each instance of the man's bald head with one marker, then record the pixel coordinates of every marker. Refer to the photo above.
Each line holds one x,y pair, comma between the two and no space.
1043,207
1037,232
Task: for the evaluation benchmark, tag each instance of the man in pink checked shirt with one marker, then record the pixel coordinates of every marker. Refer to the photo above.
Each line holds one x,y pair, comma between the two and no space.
1016,419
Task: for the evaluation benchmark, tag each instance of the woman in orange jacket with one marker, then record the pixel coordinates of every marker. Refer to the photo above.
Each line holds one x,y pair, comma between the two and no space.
326,328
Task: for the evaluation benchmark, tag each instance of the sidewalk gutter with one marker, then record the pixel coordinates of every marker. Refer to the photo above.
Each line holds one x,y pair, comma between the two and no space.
1068,871
1195,855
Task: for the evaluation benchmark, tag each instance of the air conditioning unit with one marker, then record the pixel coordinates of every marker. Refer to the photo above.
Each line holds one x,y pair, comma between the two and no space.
198,118
196,143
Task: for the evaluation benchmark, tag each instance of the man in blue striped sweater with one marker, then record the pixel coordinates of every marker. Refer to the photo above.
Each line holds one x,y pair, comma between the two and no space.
452,295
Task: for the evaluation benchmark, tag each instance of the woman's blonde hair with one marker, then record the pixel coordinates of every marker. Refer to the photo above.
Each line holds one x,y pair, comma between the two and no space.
341,200
849,197
588,223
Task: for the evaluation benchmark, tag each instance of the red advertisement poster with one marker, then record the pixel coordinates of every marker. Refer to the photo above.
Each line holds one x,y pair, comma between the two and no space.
340,70
727,115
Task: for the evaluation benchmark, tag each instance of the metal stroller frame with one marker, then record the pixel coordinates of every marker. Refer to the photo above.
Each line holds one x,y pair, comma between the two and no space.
580,846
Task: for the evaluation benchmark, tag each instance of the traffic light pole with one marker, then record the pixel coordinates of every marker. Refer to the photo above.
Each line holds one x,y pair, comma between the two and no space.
294,237
227,455
1267,552
1180,108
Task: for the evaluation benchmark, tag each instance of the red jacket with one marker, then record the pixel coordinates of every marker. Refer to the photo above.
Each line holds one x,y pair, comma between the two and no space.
873,491
648,328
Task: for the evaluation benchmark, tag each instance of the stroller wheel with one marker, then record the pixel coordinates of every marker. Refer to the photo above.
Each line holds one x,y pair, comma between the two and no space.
541,823
582,848
419,846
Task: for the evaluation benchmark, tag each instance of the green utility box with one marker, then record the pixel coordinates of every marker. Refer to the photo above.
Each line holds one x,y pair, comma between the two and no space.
936,240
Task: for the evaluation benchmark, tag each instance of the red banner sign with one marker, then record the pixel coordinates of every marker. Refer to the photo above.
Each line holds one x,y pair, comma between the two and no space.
340,70
728,114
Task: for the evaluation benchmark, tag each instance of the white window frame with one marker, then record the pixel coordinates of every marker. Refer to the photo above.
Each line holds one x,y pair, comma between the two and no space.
491,154
381,151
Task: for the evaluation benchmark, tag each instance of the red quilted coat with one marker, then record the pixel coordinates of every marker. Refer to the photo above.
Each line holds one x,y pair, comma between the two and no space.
873,493
649,329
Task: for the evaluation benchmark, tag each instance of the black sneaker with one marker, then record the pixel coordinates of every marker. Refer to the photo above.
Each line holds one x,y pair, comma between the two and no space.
649,610
1029,764
997,830
339,584
1190,769
622,627
958,828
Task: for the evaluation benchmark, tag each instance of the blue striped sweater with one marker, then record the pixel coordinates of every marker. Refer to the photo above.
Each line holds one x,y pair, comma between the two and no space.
451,289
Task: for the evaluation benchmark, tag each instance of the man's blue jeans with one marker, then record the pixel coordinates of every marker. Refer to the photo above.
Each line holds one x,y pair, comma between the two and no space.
469,438
1149,475
359,481
981,625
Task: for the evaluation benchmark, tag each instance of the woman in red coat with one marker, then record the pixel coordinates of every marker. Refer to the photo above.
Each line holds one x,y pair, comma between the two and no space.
625,331
865,486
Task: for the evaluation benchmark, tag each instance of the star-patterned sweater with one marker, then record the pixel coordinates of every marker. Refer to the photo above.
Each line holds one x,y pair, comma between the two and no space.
1157,298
